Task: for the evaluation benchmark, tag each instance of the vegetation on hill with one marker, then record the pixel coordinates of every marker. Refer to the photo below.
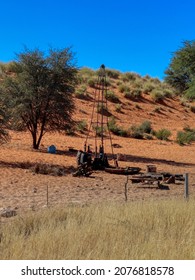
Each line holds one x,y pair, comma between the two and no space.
39,93
130,84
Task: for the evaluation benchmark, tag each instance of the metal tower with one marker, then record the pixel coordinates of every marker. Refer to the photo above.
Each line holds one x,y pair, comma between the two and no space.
98,130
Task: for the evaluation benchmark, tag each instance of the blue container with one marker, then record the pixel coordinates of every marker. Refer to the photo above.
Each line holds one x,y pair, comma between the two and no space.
51,149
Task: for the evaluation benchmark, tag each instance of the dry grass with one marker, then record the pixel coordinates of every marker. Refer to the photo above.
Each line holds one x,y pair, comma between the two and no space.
137,230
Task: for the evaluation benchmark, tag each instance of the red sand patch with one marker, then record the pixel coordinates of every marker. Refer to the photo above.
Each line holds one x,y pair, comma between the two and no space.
23,189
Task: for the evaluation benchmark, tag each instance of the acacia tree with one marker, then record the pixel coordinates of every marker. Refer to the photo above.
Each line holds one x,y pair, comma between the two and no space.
181,71
41,92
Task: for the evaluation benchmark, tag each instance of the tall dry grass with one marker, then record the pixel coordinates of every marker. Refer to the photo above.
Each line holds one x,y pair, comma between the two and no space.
136,230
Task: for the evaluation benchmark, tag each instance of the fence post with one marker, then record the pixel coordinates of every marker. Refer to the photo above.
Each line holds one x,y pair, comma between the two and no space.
186,186
126,190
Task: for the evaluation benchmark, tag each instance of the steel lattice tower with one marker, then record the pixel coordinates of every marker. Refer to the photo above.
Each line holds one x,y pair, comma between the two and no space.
98,128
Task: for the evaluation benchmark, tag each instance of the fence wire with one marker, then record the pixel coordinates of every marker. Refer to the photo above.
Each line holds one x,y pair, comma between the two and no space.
51,196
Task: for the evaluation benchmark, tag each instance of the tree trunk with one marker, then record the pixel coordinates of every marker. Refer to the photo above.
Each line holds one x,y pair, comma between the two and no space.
35,144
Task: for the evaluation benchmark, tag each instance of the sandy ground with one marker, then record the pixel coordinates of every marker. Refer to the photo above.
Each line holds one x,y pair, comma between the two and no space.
22,188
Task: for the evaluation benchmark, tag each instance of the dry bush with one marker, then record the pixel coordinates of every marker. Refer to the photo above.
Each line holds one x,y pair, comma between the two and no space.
49,169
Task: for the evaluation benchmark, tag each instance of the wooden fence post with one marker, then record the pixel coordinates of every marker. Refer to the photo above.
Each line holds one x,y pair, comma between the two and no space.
126,190
186,186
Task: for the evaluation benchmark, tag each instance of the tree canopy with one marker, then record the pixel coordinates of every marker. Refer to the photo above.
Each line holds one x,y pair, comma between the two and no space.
181,71
40,94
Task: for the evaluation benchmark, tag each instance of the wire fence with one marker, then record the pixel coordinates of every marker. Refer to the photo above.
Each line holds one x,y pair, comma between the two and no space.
49,196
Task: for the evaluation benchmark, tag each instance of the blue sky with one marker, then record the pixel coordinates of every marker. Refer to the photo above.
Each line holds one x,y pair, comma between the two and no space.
138,36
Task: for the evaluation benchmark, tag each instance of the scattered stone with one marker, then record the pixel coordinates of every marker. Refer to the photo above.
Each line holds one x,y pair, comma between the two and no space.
45,206
8,212
115,145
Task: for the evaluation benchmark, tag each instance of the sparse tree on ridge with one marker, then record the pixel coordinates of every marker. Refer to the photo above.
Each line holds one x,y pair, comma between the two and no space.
181,71
40,94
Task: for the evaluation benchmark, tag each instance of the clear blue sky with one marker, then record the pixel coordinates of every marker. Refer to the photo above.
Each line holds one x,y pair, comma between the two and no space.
126,35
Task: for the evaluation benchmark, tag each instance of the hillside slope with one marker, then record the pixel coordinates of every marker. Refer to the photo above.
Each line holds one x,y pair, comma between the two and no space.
142,99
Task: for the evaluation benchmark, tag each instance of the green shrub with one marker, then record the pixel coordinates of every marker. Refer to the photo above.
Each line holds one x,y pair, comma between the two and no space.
13,67
147,77
123,132
82,126
111,96
137,84
183,101
156,81
80,79
136,132
92,82
161,92
123,88
99,131
118,108
141,131
132,93
167,92
185,137
116,129
85,74
136,92
2,68
112,125
148,87
87,71
157,94
146,127
81,92
163,134
10,67
128,76
128,94
101,109
114,74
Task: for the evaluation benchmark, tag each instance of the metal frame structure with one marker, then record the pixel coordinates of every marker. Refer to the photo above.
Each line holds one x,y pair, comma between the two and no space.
99,118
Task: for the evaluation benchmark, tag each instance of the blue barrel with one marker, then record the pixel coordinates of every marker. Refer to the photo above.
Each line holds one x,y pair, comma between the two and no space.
51,149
